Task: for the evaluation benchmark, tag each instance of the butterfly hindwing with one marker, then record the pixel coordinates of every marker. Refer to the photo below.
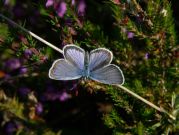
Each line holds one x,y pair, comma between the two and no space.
63,70
110,74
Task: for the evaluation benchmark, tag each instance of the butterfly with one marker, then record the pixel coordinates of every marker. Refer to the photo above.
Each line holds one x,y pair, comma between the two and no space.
95,65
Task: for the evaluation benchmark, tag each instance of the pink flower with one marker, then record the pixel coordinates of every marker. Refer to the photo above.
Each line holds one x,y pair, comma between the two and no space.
39,108
81,7
23,70
24,91
6,2
49,3
52,94
61,9
59,5
147,56
73,2
130,35
13,64
64,96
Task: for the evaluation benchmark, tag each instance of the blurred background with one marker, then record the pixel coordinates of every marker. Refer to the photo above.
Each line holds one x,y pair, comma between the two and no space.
143,36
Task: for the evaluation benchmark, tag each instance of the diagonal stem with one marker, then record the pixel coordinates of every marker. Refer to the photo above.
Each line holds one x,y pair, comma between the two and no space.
146,101
59,50
32,34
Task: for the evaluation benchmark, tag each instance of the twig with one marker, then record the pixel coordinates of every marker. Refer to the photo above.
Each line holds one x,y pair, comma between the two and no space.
32,34
120,86
146,101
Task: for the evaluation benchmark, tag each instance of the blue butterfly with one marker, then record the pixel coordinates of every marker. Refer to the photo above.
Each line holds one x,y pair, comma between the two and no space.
80,64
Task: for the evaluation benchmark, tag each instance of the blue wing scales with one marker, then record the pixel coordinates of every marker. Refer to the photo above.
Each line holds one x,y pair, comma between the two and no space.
63,70
99,58
74,55
110,74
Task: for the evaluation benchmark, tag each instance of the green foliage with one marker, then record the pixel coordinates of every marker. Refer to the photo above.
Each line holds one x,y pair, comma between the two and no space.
142,36
3,30
154,34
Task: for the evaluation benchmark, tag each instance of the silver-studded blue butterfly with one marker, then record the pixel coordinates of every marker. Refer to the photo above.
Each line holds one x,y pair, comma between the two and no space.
80,64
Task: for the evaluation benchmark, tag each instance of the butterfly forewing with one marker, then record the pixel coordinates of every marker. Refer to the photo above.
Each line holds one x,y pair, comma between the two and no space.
63,70
110,74
74,55
99,58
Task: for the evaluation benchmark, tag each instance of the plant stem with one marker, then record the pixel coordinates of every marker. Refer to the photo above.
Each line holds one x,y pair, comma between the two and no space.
31,33
146,101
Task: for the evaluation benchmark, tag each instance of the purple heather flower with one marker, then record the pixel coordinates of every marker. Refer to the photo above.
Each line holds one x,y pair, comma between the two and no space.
23,70
73,2
50,93
53,94
130,35
59,6
61,9
147,56
13,64
27,53
10,128
39,108
6,2
49,3
7,76
81,7
64,96
24,91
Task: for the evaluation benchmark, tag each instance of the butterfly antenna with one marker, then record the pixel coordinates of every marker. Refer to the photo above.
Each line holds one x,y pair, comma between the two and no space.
31,33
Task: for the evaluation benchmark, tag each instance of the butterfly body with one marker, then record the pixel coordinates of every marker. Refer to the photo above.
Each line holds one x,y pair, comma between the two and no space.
80,64
86,71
